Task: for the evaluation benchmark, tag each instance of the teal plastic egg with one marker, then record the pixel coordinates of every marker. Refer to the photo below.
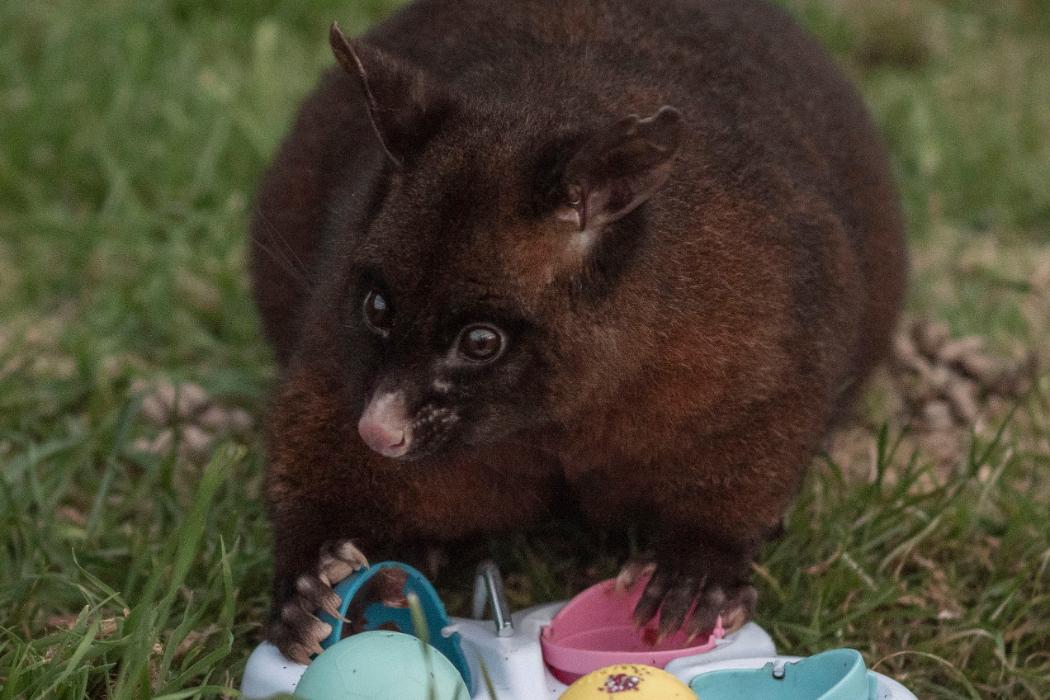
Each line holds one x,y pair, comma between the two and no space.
383,666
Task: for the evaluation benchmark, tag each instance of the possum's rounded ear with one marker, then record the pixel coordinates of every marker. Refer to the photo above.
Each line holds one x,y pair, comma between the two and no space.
619,168
405,107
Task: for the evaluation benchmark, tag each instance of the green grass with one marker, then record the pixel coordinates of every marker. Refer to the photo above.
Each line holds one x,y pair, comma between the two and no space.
131,136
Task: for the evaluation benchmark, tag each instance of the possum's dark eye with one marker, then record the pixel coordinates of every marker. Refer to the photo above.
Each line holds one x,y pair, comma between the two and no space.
480,343
377,312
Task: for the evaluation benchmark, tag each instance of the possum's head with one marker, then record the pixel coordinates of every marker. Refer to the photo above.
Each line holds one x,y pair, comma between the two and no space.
490,227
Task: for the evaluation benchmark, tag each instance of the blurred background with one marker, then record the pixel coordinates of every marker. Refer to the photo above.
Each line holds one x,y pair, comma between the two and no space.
134,554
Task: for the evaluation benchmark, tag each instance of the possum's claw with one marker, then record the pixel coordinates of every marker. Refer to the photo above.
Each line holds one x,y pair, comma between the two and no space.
688,600
339,560
298,632
636,568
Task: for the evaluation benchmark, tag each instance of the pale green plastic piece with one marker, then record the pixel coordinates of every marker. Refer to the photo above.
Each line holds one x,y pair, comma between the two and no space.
382,666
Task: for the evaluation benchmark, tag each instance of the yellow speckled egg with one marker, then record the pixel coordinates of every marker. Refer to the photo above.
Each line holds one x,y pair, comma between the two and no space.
635,682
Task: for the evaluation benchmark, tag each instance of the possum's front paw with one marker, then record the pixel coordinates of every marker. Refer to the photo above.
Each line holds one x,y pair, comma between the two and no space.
297,631
689,595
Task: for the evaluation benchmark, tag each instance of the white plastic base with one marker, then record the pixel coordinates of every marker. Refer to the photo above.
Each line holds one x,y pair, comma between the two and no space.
515,663
268,673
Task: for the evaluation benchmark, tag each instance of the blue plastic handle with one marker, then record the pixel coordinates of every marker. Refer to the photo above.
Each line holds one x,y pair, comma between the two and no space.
379,616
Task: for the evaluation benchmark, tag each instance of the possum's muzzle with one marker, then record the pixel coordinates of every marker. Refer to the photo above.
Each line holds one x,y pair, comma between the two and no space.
388,428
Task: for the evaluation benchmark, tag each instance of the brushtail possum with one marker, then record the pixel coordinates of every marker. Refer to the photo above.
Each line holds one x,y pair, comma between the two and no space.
641,253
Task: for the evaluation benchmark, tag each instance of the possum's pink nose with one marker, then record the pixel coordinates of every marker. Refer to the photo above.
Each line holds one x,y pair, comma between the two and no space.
384,425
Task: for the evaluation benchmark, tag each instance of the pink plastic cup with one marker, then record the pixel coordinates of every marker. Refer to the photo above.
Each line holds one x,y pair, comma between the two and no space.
595,630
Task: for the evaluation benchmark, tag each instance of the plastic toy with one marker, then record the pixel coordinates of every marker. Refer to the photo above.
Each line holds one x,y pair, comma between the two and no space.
642,682
531,654
379,616
833,675
384,666
595,629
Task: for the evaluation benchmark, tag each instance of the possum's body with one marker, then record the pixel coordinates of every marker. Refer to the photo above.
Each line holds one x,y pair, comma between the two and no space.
680,364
